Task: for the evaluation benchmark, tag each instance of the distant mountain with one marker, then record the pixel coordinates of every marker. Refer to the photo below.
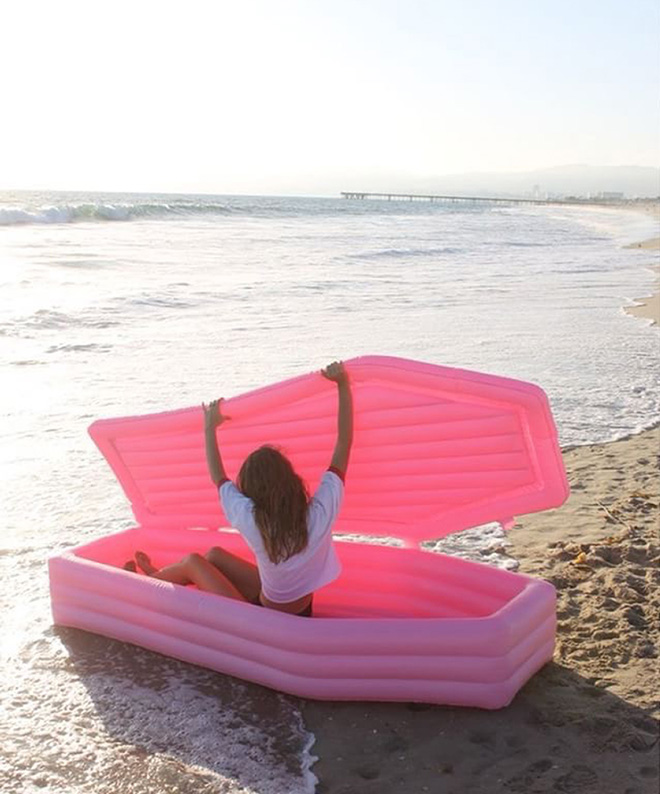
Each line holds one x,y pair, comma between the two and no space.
569,180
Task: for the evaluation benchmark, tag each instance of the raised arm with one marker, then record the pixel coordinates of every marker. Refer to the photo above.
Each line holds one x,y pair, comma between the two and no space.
212,420
336,372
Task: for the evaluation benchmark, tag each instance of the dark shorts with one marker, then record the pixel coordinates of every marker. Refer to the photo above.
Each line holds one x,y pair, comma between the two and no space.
305,613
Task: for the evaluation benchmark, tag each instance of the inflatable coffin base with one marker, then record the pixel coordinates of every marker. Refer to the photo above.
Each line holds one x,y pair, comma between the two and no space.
427,627
435,450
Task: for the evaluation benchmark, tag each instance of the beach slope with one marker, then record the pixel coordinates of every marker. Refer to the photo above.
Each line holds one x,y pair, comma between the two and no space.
588,722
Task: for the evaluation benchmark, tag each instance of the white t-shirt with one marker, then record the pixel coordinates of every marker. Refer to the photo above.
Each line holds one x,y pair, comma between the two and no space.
316,565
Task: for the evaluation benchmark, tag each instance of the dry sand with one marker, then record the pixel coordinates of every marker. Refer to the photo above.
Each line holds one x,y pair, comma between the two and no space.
588,721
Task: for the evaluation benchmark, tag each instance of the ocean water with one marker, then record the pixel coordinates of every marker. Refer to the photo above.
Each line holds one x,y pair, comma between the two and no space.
120,304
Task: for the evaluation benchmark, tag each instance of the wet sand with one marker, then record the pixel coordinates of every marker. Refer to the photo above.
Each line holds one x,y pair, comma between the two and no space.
648,307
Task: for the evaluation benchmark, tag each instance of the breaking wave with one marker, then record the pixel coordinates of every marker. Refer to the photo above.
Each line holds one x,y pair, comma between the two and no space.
72,213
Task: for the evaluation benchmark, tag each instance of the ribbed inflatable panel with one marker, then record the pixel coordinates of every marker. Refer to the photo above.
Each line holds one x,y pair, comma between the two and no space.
435,450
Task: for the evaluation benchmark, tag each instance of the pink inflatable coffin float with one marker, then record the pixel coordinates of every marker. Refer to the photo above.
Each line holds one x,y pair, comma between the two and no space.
436,450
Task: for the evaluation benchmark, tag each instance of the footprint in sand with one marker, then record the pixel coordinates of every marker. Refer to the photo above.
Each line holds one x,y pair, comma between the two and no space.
609,554
634,614
529,778
395,744
647,651
367,771
578,778
605,635
482,737
637,584
637,553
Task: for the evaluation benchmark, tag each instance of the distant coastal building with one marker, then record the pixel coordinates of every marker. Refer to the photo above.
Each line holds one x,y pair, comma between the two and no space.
609,195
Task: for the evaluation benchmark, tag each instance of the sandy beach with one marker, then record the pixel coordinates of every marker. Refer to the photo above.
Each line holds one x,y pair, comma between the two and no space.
85,714
587,722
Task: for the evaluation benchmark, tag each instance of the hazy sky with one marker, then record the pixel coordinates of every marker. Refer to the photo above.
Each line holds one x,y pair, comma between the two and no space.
307,96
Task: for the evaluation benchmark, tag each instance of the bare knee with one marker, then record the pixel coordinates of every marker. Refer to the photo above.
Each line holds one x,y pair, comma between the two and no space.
219,557
214,554
192,559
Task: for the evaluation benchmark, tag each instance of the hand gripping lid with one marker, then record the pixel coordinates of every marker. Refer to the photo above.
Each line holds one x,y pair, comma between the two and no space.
435,449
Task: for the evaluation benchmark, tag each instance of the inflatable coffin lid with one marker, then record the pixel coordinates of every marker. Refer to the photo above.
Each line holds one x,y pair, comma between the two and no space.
435,449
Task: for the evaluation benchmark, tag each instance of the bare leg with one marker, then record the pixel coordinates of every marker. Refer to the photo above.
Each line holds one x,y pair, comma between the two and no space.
193,569
244,575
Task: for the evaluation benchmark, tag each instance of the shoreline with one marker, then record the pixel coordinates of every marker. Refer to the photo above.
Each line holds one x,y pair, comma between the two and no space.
647,307
588,721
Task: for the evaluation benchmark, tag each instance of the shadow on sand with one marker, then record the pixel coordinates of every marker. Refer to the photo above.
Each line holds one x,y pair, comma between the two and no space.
560,734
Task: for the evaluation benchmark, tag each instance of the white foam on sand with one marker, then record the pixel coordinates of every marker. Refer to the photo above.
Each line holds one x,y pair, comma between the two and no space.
89,715
486,543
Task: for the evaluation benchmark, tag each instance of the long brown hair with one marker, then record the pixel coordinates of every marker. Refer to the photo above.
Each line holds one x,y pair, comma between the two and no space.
280,500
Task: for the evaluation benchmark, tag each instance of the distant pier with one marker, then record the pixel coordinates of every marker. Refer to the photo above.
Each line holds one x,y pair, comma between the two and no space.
359,195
